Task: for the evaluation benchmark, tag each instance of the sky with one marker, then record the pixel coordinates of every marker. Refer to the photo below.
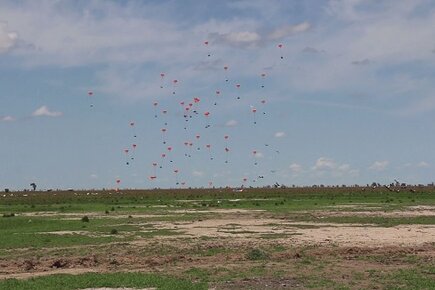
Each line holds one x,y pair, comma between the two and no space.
308,92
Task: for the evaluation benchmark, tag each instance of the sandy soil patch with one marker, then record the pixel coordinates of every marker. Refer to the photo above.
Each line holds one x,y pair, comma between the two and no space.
305,232
74,216
72,271
403,235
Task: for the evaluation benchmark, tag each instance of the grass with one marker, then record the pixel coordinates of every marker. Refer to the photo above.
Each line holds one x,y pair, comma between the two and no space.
73,282
257,254
382,221
37,232
22,240
270,199
409,279
135,214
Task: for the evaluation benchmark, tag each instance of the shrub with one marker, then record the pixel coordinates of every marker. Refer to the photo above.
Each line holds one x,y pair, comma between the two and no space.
7,215
85,219
256,254
114,232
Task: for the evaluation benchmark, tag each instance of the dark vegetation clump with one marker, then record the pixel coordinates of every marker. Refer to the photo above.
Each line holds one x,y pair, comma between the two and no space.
85,219
7,215
114,232
256,254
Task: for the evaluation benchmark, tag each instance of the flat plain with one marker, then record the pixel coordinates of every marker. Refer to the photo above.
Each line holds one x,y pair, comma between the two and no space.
258,238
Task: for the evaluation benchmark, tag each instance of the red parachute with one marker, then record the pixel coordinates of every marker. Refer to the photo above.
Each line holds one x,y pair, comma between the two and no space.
280,46
206,45
90,94
163,130
133,128
162,76
155,104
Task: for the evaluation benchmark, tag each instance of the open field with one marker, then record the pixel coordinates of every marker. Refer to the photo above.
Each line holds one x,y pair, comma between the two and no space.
299,238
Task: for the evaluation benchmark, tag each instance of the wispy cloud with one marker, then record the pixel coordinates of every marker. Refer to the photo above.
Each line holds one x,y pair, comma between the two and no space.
257,38
379,165
295,168
326,165
7,38
288,30
7,119
423,164
279,134
44,111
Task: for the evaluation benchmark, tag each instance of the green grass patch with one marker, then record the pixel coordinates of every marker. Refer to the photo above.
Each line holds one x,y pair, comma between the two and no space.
382,221
197,274
91,280
38,232
257,254
410,279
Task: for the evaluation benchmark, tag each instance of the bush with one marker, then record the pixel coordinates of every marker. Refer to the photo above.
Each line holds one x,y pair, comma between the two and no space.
85,219
114,232
256,254
7,215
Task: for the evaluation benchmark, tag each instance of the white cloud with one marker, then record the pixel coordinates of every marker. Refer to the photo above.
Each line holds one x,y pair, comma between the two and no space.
295,168
379,165
253,38
423,164
324,163
231,123
45,111
94,176
329,166
242,37
279,134
7,38
288,30
346,10
237,39
105,32
7,119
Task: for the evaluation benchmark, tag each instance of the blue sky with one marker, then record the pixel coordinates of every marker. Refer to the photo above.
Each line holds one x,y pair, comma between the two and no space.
352,101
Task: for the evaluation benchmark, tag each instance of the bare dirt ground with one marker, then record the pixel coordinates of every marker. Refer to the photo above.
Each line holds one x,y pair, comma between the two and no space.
301,233
218,244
